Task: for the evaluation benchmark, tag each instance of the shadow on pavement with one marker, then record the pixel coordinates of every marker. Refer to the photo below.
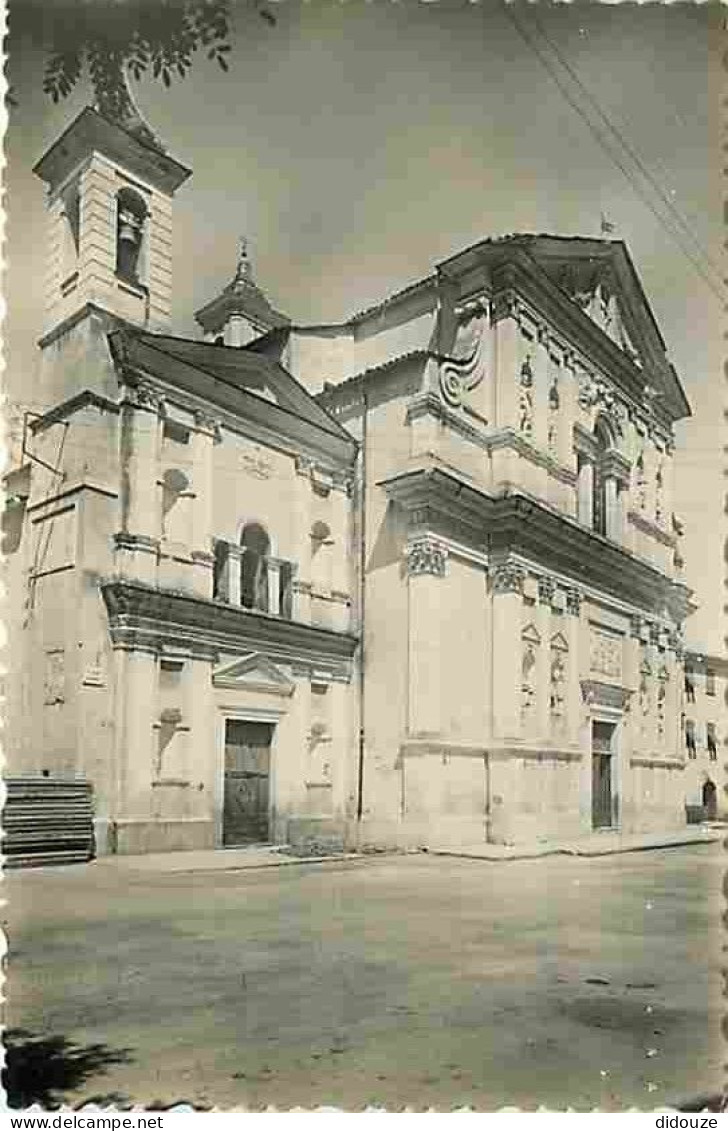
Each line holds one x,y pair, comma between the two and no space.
717,1102
39,1070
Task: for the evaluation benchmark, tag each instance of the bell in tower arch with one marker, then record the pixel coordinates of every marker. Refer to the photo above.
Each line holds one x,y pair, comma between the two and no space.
131,216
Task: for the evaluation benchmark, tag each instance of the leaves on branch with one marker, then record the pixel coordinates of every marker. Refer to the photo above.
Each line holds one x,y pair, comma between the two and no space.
111,38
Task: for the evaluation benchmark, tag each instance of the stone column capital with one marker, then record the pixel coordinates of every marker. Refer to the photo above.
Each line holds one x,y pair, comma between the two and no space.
143,396
507,577
209,424
573,601
426,555
546,590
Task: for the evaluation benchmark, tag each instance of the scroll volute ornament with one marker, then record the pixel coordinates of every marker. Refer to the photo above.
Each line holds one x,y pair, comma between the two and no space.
465,369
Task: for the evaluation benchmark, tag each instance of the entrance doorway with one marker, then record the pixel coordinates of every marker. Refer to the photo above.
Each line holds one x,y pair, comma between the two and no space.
246,796
602,784
710,800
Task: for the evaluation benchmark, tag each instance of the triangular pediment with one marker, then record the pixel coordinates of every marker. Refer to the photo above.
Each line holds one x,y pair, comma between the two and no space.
559,642
248,385
254,672
531,634
600,278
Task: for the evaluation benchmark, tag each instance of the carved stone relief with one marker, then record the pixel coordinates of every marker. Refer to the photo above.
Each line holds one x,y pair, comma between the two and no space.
558,683
528,678
605,654
525,399
256,465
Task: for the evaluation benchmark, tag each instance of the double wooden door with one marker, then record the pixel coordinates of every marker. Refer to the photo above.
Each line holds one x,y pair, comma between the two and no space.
246,800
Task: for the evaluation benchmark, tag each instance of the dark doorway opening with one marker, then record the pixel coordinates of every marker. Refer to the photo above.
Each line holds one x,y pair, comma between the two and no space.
602,783
246,801
710,800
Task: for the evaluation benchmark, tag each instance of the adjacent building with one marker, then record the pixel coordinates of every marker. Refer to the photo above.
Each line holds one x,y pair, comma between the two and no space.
413,578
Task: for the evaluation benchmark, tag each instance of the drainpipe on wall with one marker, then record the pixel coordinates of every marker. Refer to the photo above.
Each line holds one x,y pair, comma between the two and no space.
491,704
362,601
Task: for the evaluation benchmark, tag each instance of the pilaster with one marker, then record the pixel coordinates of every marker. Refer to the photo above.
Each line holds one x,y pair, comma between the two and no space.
568,393
507,354
303,544
542,616
506,586
203,443
426,560
613,508
572,631
541,388
274,586
585,493
141,503
137,687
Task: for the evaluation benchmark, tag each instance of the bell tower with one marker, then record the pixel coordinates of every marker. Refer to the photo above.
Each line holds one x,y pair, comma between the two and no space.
110,186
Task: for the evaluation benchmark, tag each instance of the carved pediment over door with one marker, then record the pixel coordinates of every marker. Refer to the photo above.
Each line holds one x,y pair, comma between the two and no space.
254,672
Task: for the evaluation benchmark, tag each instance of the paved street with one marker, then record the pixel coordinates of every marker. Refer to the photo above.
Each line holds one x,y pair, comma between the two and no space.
399,980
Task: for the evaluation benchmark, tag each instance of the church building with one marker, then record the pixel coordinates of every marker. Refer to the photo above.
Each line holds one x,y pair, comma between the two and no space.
410,579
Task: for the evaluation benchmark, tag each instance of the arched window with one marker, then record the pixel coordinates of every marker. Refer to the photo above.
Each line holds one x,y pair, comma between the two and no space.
254,567
603,442
131,223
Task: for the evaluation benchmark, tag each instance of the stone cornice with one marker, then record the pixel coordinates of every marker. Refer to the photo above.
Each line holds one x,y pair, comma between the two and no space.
86,398
72,489
514,522
596,691
146,617
427,745
509,438
660,763
429,404
647,526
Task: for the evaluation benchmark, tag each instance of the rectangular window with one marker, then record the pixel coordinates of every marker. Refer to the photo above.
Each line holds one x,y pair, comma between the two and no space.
710,682
689,686
711,741
690,737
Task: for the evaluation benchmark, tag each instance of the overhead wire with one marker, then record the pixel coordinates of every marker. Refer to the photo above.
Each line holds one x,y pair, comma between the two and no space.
677,235
627,146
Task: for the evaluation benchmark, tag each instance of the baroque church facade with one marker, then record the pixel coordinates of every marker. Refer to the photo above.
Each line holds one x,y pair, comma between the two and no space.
409,579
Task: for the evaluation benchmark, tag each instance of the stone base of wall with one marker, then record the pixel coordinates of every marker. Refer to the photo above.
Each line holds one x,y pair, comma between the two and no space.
324,833
128,837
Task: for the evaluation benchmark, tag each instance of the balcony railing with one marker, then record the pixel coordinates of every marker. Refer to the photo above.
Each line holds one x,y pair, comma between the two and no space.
260,583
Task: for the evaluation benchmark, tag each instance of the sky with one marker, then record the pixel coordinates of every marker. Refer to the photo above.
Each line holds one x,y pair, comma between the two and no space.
357,142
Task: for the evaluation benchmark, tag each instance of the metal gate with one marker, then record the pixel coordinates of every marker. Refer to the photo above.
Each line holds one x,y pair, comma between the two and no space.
246,800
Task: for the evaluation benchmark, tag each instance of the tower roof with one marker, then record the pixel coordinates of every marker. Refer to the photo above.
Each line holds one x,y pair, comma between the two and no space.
241,296
131,144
